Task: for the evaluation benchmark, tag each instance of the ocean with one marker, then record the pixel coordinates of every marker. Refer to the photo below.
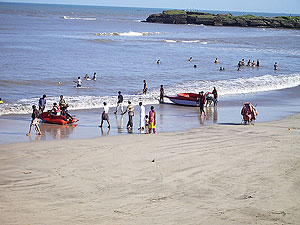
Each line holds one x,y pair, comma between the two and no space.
44,48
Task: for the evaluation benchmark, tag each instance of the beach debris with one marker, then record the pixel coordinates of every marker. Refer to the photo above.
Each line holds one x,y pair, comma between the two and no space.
153,160
158,199
26,172
290,129
247,196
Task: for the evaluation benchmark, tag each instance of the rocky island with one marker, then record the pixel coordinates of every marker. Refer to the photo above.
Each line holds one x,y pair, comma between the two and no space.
190,17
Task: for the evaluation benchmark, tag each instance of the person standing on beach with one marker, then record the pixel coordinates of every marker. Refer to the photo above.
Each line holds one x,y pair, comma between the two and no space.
145,87
130,110
201,101
215,93
142,116
119,103
42,103
152,120
162,93
104,115
34,121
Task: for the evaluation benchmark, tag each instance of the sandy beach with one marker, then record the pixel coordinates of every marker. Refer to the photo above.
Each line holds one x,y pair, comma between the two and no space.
215,174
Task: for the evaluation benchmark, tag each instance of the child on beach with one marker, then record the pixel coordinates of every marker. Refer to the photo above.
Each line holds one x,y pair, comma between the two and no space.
146,124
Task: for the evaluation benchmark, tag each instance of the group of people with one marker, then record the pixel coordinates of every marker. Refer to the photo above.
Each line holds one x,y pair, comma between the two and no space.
60,109
205,99
86,77
147,123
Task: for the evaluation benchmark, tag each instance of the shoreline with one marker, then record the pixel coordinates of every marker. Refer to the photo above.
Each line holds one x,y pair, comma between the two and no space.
218,174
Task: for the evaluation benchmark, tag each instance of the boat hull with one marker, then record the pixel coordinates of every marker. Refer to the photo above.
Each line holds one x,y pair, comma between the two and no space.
186,99
62,120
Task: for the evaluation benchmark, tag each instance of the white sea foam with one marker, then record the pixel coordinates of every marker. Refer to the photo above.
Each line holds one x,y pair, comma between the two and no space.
187,41
225,87
129,34
77,18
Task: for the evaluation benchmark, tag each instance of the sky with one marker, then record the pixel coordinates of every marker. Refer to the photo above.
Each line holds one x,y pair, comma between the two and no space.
270,6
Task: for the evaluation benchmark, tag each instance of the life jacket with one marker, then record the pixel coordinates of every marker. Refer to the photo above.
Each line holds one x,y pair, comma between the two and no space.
56,108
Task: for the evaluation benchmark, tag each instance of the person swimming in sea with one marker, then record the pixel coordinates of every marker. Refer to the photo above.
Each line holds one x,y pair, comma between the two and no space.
275,66
158,61
190,59
216,60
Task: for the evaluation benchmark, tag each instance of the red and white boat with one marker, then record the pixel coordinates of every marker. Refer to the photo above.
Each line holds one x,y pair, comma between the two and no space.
187,99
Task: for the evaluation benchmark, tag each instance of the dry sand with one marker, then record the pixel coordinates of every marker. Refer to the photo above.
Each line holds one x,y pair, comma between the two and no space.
217,174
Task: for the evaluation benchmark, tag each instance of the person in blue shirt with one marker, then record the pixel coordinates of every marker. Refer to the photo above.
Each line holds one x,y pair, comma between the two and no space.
42,103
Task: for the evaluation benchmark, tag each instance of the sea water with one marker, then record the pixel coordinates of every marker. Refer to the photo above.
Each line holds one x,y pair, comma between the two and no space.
44,48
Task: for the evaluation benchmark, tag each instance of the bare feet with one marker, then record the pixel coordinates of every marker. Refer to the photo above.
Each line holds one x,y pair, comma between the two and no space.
28,134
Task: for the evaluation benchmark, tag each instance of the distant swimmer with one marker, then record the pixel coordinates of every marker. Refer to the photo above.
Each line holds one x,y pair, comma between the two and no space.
86,76
195,66
190,59
1,102
158,61
243,62
222,68
94,77
249,63
275,66
145,87
239,64
253,64
257,63
216,60
78,82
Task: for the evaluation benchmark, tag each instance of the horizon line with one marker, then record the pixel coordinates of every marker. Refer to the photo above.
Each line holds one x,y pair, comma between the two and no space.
66,4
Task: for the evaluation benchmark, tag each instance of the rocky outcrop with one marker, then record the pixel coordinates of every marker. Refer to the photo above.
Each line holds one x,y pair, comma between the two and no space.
187,17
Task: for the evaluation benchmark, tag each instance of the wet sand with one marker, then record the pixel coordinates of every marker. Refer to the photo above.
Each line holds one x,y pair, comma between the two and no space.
215,174
171,118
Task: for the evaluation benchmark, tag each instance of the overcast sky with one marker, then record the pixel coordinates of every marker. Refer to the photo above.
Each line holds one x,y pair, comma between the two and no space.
279,6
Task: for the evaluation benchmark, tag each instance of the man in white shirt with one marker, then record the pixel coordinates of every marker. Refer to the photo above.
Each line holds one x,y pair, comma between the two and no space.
105,115
142,116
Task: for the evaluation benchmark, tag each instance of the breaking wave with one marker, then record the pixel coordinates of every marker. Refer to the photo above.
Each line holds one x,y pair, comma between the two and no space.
187,41
130,34
77,18
225,87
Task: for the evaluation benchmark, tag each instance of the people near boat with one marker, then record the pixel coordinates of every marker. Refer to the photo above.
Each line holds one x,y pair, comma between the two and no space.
162,93
243,62
249,63
34,121
94,77
201,101
86,76
253,64
216,60
142,117
104,115
190,59
119,103
130,110
66,113
42,103
248,112
1,102
55,109
257,63
62,103
146,124
215,94
152,120
158,61
275,66
145,89
78,82
209,99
